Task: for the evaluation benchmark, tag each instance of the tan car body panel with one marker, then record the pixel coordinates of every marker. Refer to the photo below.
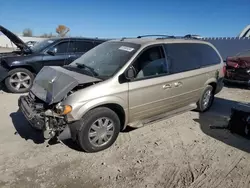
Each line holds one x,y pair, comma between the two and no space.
145,98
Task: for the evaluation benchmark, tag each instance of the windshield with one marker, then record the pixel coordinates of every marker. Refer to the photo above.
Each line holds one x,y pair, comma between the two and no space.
107,58
39,46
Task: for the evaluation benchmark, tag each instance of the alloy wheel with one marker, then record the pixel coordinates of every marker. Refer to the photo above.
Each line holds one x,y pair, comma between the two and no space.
20,80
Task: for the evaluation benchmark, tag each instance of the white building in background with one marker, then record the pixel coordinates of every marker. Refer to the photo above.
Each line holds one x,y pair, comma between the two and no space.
6,43
245,32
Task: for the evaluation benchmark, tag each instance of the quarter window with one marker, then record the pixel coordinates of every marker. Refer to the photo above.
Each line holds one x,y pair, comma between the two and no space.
209,55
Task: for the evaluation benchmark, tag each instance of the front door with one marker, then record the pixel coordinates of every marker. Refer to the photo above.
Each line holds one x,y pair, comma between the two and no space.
151,92
63,54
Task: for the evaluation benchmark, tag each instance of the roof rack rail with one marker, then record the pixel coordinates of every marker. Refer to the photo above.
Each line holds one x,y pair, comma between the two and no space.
162,36
123,38
193,36
188,36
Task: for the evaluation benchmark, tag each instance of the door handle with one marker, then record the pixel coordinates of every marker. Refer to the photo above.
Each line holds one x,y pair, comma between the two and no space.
166,86
177,84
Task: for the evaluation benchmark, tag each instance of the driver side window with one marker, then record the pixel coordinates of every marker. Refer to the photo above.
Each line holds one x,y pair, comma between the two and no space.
63,47
151,63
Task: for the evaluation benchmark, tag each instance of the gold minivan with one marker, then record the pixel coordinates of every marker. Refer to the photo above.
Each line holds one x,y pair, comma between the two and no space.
121,82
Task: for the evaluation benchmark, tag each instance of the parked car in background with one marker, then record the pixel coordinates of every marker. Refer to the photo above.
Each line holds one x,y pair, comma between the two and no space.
30,43
121,82
238,68
18,68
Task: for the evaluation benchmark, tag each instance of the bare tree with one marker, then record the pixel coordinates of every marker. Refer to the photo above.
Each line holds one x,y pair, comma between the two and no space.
27,32
62,30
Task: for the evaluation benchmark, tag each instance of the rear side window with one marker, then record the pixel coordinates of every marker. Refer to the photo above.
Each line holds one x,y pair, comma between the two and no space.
190,56
182,57
84,46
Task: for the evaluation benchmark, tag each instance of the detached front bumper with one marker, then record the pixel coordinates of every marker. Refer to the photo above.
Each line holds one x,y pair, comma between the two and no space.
35,119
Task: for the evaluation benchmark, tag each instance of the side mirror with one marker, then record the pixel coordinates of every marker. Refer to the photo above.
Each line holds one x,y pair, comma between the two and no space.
130,73
52,51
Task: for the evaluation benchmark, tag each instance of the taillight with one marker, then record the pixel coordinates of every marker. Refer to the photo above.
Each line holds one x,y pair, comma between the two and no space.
236,65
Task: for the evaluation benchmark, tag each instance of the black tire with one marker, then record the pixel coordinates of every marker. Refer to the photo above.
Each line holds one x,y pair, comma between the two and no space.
12,89
85,124
200,105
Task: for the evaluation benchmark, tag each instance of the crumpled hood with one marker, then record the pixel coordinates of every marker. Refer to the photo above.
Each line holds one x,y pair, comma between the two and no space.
239,62
53,83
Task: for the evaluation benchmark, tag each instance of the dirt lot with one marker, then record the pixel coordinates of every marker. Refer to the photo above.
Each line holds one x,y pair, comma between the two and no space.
179,152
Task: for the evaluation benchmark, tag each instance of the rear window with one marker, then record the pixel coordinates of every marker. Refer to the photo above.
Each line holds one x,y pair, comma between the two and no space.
190,56
244,54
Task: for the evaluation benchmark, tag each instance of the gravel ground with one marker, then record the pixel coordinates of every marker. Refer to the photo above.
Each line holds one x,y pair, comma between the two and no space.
178,152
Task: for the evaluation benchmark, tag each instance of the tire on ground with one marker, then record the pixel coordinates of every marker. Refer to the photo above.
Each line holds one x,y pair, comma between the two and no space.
14,71
200,105
88,119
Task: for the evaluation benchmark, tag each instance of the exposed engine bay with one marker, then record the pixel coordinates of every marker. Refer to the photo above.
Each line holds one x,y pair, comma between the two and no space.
13,53
42,106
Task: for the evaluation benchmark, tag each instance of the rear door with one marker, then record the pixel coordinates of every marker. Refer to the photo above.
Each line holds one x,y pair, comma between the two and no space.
82,46
187,76
64,51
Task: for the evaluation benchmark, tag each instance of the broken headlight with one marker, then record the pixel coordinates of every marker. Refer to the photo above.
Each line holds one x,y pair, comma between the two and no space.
63,109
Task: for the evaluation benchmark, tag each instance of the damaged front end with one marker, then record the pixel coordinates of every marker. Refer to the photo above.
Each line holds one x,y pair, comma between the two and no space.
238,70
43,107
42,116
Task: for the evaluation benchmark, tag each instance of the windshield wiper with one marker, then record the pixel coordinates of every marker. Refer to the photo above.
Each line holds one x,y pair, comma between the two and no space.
91,70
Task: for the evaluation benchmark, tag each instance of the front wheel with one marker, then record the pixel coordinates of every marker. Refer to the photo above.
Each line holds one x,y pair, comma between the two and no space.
99,129
206,100
19,80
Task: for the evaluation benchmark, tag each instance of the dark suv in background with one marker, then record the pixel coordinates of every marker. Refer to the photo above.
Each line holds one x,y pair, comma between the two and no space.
18,68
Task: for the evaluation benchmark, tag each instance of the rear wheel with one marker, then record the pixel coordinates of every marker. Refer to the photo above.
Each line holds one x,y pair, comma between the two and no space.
206,99
19,80
99,128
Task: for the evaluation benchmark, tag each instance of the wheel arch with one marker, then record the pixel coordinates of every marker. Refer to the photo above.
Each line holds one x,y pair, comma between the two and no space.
212,82
29,68
114,103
